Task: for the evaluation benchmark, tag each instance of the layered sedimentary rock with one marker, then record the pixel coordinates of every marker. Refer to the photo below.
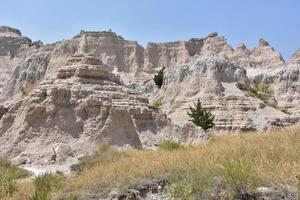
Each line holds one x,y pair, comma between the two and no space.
285,84
14,48
28,73
22,57
82,105
174,53
159,55
126,56
213,81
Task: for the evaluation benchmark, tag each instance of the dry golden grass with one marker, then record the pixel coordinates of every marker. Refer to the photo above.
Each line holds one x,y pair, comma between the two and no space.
24,191
274,157
267,157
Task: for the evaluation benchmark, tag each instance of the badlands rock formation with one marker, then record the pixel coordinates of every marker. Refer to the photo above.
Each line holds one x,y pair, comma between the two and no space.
30,62
173,53
84,104
213,80
295,59
285,84
14,48
111,49
90,89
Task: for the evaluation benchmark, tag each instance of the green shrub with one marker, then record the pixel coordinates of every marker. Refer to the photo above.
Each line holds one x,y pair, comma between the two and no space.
104,154
239,176
241,86
157,103
260,91
12,170
191,184
201,116
170,145
45,184
159,77
8,174
7,185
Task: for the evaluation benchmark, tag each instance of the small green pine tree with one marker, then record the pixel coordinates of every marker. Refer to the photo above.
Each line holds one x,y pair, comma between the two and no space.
201,116
159,77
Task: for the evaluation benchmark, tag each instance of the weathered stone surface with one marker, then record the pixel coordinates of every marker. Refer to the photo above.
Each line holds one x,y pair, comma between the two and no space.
14,49
81,108
169,54
61,152
27,74
213,81
285,84
265,55
295,59
126,56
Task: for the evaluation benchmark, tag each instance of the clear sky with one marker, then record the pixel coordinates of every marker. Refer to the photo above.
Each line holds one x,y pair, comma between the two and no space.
278,21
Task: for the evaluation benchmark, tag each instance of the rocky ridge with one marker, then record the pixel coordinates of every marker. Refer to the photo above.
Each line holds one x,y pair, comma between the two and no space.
295,59
128,57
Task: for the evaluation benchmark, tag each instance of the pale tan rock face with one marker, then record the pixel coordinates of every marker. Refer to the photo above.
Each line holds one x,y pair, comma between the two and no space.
165,54
14,48
81,107
295,59
126,56
169,54
265,56
213,81
285,84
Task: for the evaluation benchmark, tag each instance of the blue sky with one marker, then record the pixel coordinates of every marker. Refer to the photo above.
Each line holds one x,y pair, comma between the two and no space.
278,21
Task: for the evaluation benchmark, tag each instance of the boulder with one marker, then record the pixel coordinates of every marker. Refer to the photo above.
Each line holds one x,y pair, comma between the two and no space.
61,152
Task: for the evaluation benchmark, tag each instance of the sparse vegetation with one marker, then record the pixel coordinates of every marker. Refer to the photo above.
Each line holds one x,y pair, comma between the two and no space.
241,85
7,185
104,154
157,103
8,174
239,162
146,81
201,116
27,89
170,145
284,110
263,92
240,176
159,78
45,184
259,90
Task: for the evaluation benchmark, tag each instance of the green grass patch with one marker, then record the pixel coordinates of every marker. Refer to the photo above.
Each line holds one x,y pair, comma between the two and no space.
170,145
158,103
46,184
8,174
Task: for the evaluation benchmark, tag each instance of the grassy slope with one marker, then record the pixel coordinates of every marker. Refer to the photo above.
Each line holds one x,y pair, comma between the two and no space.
250,160
8,175
253,158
